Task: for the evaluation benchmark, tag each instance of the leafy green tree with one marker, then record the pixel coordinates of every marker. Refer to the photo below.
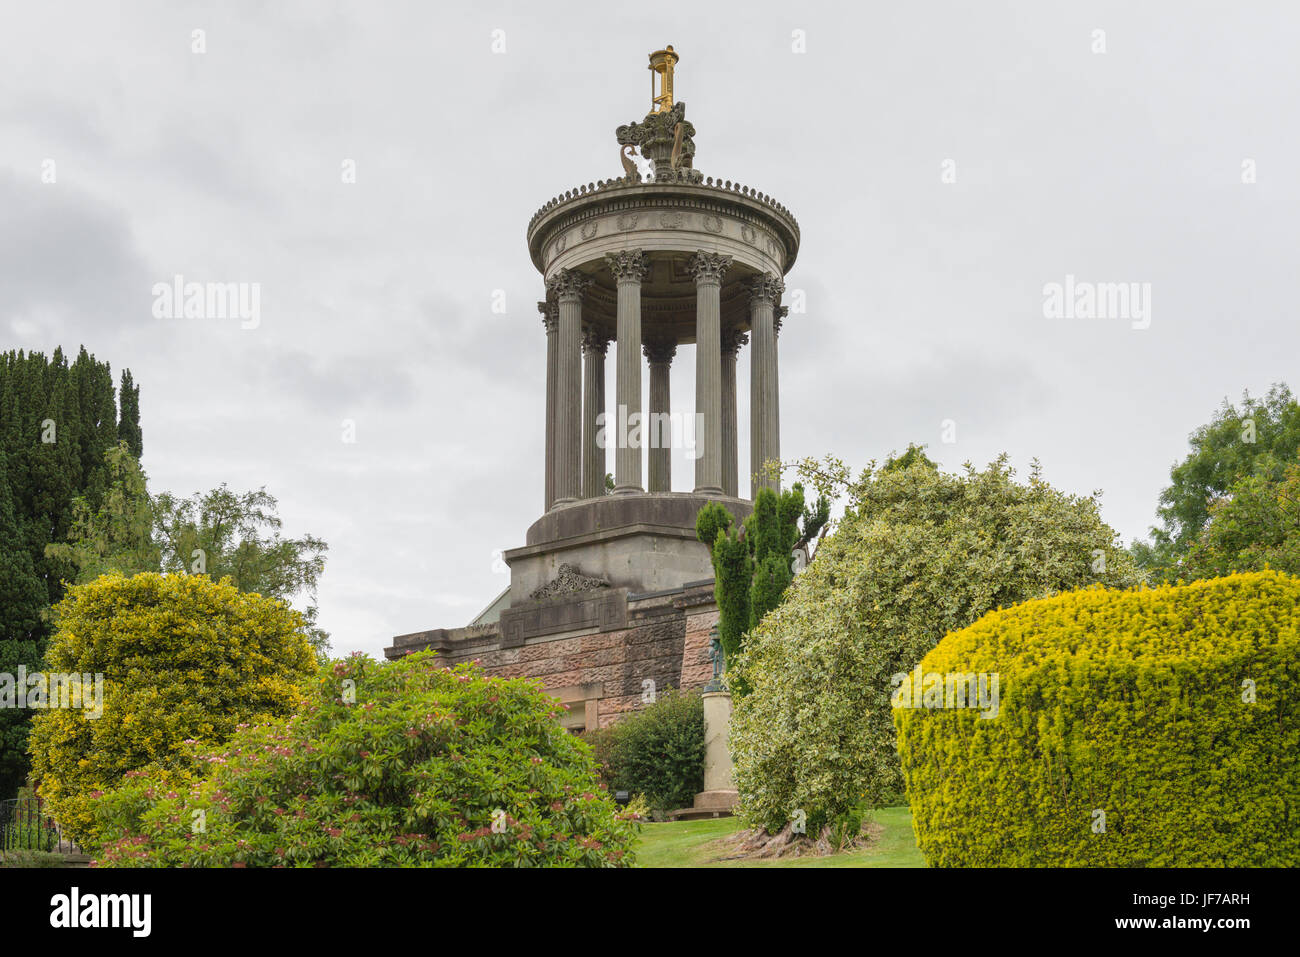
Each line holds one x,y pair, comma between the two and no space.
1262,437
918,553
223,533
1256,525
117,534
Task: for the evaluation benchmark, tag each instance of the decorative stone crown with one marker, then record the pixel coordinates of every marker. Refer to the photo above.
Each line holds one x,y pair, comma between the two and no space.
656,136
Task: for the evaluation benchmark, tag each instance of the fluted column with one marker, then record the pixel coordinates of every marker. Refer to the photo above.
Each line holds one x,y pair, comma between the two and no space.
708,269
764,292
658,430
781,313
550,316
732,340
568,285
629,268
594,344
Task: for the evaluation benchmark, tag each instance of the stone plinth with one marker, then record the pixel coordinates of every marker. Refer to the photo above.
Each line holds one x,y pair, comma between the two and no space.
644,542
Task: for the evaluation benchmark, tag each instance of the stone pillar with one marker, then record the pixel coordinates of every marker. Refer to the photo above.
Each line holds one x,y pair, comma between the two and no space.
781,313
708,269
732,340
658,431
550,318
764,292
629,268
594,344
569,285
717,756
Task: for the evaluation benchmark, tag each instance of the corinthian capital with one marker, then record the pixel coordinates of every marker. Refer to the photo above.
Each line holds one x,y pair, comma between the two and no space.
781,313
766,288
594,341
567,284
630,265
549,315
659,351
708,267
732,340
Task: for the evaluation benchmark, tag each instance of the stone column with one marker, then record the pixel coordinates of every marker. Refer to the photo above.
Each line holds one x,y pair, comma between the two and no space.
550,317
764,292
781,313
569,285
732,340
708,269
594,344
629,268
658,430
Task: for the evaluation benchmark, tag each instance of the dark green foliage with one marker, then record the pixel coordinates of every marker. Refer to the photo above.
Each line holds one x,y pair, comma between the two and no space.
57,419
1261,437
752,567
657,751
128,425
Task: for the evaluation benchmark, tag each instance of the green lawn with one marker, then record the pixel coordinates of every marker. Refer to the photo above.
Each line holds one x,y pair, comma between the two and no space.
692,844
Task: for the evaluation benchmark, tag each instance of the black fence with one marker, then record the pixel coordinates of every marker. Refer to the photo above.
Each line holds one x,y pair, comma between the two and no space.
24,826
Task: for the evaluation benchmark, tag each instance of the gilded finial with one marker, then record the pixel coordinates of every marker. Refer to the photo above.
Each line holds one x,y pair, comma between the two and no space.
661,66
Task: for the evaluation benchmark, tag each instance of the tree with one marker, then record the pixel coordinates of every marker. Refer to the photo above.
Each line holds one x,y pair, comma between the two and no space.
918,554
1256,525
128,425
237,534
1261,437
117,534
181,658
401,764
753,566
57,419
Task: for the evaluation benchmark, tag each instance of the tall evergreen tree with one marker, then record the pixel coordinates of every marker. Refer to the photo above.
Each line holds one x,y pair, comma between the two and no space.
128,425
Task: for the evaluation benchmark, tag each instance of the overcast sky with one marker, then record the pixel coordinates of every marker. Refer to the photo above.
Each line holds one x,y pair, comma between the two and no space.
925,298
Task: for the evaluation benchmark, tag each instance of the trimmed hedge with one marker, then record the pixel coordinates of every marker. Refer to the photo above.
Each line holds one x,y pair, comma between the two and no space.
1129,703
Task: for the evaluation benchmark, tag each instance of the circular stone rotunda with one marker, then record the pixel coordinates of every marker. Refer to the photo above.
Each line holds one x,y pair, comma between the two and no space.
649,265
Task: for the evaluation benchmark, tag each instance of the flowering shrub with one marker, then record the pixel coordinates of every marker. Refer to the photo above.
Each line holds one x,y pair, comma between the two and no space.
400,764
182,657
1151,728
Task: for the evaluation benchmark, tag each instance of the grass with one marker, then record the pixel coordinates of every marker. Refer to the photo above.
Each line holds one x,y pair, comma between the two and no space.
692,844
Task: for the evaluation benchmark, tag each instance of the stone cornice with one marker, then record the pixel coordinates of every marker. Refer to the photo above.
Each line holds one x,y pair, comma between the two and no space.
627,196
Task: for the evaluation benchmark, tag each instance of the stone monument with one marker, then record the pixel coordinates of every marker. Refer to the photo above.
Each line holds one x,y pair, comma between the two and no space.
611,594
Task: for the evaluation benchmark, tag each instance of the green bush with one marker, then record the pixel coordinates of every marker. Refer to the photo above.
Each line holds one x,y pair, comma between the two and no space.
182,657
406,764
657,752
1171,711
918,554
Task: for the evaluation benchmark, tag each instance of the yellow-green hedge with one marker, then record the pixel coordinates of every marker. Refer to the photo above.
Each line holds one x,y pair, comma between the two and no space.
1131,703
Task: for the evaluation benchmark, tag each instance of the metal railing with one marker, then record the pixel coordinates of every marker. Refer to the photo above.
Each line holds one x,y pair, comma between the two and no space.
24,826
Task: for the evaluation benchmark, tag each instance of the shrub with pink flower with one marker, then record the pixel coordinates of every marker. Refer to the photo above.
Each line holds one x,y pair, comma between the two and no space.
415,773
